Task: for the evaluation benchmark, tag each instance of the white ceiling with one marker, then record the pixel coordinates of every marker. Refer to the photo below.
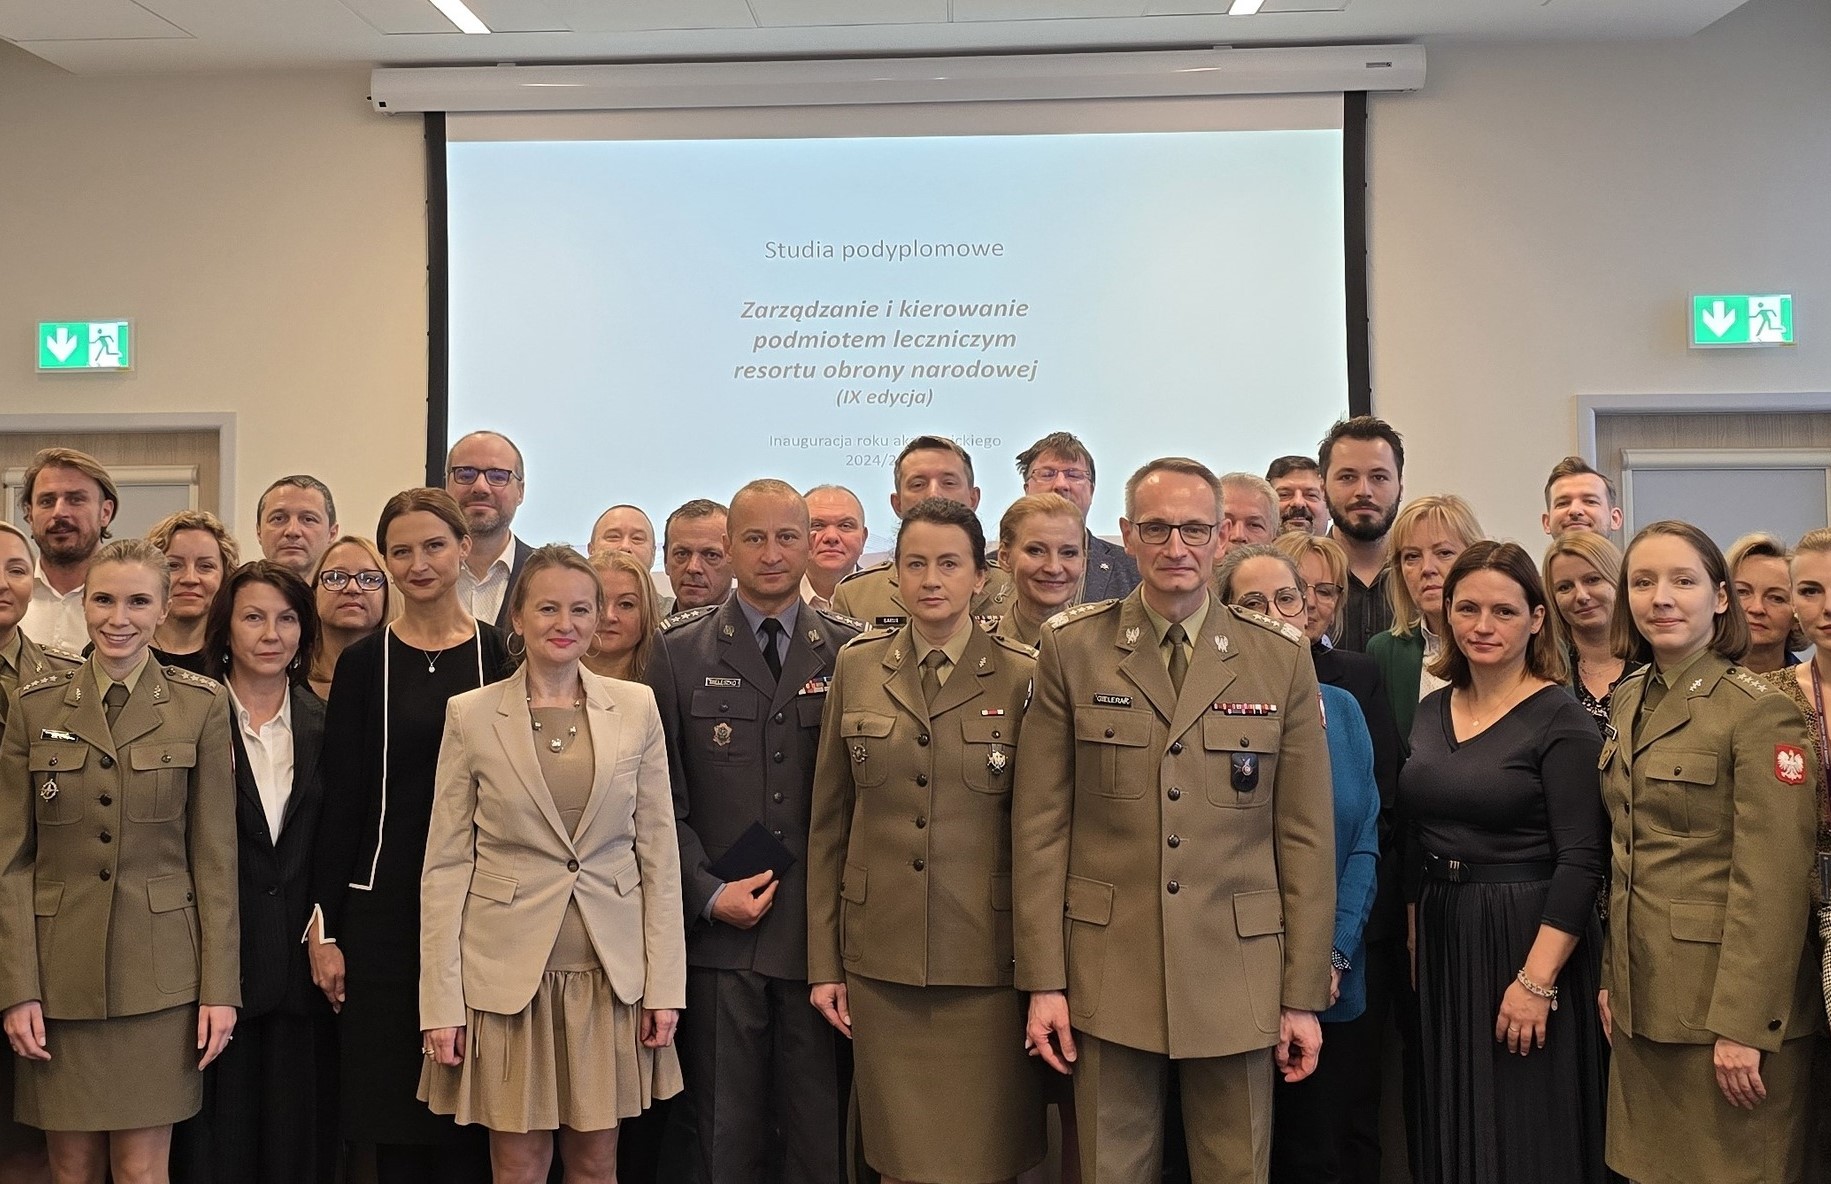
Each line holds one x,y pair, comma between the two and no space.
141,36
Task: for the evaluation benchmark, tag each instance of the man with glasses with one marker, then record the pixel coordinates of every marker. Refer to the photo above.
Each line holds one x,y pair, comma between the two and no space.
484,471
1173,757
1060,463
295,521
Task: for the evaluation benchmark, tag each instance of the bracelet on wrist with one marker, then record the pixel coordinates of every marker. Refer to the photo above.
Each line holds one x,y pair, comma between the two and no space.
1549,994
1339,961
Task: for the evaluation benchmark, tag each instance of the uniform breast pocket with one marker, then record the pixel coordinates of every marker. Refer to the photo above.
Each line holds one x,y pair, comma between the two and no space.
159,783
1113,743
725,724
988,765
55,778
1242,759
1679,796
868,736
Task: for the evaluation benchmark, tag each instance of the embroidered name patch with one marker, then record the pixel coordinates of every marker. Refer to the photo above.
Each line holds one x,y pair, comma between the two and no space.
1790,764
1113,700
723,682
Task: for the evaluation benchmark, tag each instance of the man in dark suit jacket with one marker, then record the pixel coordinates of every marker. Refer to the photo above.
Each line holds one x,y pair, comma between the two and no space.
1060,463
743,728
485,472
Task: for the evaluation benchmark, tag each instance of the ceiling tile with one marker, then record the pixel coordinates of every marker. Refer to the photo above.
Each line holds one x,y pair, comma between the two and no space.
400,16
517,16
629,16
849,12
1025,10
1305,6
82,20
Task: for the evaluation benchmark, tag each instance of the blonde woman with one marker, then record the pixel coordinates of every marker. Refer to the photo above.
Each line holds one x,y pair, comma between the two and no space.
1424,541
1042,543
200,553
351,593
625,635
1763,582
1580,570
1806,686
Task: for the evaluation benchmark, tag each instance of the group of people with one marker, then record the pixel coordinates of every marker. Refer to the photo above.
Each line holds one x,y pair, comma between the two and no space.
433,844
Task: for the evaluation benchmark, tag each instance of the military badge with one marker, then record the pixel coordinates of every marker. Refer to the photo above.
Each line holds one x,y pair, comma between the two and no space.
721,733
50,789
859,754
1245,771
997,760
1790,764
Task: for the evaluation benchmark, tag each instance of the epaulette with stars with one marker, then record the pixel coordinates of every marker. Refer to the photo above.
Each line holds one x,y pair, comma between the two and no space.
687,617
50,680
1752,683
183,677
1079,612
841,619
1287,631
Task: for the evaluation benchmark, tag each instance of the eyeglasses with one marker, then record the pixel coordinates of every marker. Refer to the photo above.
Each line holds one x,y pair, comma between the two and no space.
1288,600
1157,533
337,579
1075,476
468,474
1326,591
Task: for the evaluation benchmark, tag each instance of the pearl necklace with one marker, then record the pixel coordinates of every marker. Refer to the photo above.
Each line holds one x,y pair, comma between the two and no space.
556,744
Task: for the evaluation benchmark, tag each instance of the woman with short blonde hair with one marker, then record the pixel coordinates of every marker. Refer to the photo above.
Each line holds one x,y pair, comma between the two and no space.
200,552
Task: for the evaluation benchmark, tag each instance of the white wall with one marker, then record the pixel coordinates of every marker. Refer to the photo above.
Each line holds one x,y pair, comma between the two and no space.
267,234
1540,215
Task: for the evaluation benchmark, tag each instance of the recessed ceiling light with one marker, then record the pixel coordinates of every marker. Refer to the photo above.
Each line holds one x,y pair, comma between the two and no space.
467,21
1237,8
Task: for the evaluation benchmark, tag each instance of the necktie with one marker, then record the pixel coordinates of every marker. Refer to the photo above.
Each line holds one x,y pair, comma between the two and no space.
113,701
1174,637
772,629
931,675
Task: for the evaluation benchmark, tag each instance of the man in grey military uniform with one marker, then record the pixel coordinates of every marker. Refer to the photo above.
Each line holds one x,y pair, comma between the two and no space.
1060,463
928,466
741,687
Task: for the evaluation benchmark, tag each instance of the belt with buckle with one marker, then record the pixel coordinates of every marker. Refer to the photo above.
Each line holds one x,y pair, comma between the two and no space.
1457,871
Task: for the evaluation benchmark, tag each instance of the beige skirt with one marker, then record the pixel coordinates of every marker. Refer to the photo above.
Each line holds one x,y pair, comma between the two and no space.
573,1057
112,1075
1668,1123
945,1091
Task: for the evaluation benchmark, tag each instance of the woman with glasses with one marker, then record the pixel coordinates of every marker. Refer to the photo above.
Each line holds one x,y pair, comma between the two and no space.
1308,1142
382,732
1503,797
1042,542
1580,568
200,552
352,599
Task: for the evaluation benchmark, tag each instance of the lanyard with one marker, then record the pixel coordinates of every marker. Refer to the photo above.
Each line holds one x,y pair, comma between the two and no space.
1824,749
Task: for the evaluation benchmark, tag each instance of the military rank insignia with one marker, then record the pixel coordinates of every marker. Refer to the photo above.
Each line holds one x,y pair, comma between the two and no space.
721,733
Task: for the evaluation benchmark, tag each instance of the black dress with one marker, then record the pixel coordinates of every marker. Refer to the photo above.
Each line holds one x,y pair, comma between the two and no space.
366,873
1525,791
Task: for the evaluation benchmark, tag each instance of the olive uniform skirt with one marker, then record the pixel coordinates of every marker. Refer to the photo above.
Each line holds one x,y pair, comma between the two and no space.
113,1075
945,1090
573,1057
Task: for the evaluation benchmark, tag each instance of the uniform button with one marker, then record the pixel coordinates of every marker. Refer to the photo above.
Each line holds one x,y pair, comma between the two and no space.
921,779
922,739
777,796
921,821
106,837
996,733
52,762
106,874
776,833
724,707
1174,794
1676,770
1176,840
572,865
777,758
1176,749
165,757
107,761
1773,1025
187,898
273,889
1109,733
1173,887
778,717
1245,743
919,864
105,800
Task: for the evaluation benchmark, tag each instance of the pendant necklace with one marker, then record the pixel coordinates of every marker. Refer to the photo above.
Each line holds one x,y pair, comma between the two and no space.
556,744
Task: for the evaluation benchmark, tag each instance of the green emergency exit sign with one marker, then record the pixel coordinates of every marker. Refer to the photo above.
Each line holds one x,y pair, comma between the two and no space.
85,345
1741,320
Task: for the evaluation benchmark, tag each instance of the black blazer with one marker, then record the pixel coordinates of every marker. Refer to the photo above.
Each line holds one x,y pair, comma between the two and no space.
516,562
276,877
1360,676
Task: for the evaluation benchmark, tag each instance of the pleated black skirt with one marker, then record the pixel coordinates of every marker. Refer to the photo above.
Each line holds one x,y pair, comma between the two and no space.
1490,1116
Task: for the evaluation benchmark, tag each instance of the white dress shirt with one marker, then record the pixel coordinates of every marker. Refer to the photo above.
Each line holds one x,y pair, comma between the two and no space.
483,597
270,759
55,620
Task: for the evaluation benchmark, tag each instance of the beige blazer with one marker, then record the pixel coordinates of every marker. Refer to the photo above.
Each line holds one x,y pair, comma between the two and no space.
1174,856
500,868
118,890
1714,813
909,854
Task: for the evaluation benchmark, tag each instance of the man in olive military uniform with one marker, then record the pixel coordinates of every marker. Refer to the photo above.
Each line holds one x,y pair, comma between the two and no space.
741,687
928,466
1173,852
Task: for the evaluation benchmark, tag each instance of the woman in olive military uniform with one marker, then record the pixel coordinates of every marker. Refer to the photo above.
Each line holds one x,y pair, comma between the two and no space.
909,873
1042,543
1708,995
119,940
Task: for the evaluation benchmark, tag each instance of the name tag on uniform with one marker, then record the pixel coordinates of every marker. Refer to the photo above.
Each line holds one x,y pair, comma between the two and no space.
890,622
817,685
723,682
54,734
1113,700
1226,708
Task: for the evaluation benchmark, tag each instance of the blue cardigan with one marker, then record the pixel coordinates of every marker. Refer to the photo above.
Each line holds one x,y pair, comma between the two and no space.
1357,842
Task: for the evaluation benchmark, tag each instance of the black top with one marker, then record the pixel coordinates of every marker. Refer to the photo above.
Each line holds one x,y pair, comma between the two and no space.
192,661
1360,676
1367,612
366,872
1525,791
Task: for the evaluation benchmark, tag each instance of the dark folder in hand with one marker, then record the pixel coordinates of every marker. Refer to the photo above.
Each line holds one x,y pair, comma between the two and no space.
756,850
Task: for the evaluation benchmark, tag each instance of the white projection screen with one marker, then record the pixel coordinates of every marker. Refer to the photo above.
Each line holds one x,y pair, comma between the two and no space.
658,306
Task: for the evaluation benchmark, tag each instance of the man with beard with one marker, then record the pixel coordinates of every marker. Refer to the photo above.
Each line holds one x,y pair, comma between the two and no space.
484,471
68,499
1363,470
1298,483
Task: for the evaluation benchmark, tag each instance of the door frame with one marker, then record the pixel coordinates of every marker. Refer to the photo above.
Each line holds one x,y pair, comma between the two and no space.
1589,407
221,422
